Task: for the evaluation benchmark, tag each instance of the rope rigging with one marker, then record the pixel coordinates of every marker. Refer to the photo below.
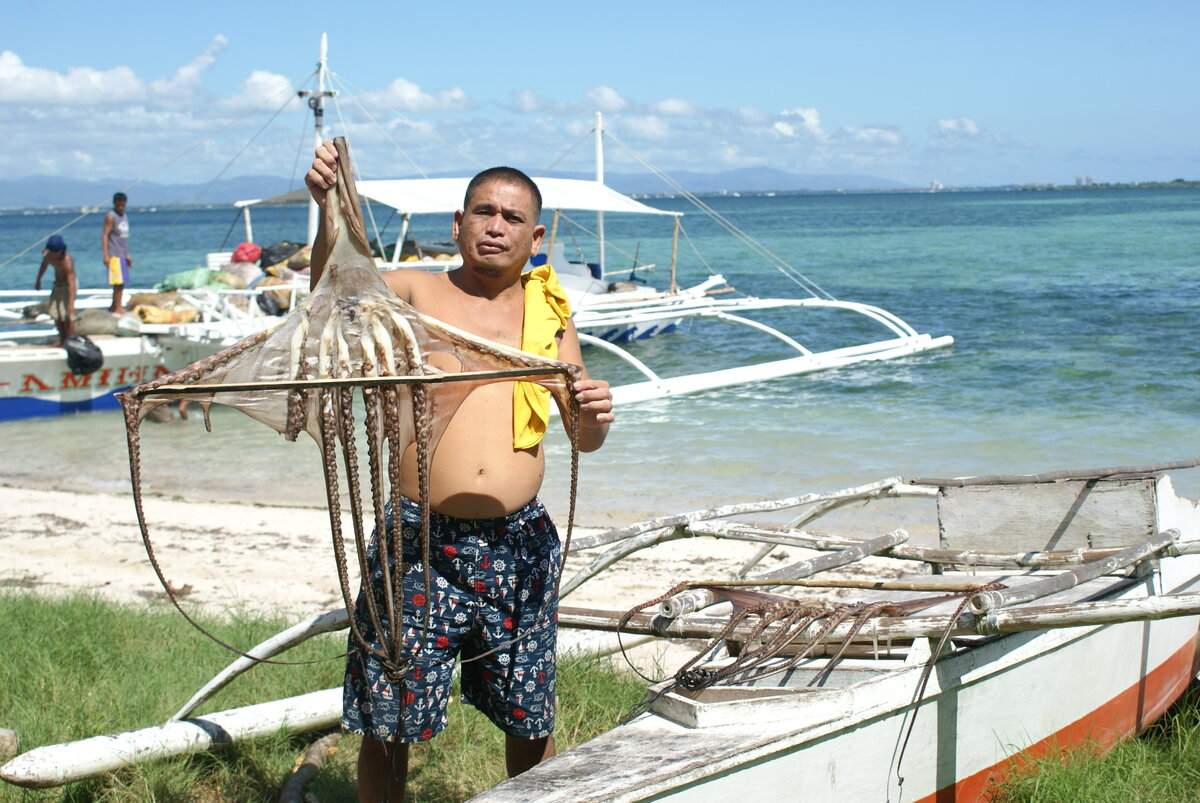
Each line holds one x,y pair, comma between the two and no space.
766,254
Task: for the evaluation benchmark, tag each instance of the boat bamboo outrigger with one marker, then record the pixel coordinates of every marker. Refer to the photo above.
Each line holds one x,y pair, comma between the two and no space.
919,677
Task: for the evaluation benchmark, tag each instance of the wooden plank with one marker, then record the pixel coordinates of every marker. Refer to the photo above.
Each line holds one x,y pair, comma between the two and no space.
1073,514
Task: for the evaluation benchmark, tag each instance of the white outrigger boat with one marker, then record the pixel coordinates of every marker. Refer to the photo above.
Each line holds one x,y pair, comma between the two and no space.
1055,610
609,316
36,379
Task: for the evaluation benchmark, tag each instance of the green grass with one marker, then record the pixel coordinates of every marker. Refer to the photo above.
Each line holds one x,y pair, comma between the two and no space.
1162,765
76,667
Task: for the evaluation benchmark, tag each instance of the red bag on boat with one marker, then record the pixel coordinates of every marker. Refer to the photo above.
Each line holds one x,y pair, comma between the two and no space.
247,252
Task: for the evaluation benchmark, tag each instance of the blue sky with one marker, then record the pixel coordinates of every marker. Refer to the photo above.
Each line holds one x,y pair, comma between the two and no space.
967,93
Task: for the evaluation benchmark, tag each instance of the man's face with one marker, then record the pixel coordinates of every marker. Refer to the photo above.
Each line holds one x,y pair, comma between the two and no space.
498,230
119,206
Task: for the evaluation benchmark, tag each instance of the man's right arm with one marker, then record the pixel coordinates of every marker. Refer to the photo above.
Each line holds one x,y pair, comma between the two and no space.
104,237
321,176
37,284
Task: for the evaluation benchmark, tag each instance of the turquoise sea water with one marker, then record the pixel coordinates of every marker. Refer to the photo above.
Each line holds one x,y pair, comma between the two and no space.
1075,315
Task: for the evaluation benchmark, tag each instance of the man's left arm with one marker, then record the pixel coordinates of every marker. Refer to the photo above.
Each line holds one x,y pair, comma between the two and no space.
593,395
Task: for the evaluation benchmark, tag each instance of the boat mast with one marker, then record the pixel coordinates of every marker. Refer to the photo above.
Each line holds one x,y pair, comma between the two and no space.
600,180
316,101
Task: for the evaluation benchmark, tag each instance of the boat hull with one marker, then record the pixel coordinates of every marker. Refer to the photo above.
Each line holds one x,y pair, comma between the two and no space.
980,713
36,380
987,708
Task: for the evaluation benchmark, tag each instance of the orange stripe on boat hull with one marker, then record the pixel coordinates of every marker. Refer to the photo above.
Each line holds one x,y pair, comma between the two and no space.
1124,715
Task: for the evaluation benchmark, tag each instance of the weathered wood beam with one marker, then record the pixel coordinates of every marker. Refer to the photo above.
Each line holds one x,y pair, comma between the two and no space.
985,601
696,599
995,622
58,764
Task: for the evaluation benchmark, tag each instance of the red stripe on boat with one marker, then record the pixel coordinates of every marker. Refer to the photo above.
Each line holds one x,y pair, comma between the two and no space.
1128,713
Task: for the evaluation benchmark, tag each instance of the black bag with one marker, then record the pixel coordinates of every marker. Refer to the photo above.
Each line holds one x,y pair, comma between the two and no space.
83,356
268,304
278,252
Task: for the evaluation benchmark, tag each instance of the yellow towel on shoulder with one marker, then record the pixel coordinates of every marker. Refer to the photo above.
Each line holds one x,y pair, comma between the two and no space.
547,311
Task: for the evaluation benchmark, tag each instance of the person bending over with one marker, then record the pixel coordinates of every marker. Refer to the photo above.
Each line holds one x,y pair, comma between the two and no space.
62,295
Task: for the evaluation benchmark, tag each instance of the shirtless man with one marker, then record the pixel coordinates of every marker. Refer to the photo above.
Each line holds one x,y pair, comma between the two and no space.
496,550
62,296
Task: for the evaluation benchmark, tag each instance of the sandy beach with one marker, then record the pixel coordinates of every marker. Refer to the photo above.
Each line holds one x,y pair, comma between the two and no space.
260,558
251,556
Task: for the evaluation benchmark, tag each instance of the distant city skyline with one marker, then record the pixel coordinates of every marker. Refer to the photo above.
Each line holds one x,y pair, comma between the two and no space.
955,93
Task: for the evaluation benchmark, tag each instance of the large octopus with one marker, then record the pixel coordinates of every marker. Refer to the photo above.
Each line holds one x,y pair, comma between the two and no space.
353,333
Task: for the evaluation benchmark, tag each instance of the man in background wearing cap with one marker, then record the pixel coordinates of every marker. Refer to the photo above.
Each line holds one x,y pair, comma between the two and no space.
62,296
114,244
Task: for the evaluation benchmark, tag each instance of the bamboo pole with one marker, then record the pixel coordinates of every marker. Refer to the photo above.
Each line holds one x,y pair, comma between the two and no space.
699,598
58,764
1055,476
871,490
653,538
1008,560
284,640
553,234
870,585
371,381
673,286
899,628
985,601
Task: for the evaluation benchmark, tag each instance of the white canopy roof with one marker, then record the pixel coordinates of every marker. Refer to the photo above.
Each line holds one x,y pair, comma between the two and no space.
432,195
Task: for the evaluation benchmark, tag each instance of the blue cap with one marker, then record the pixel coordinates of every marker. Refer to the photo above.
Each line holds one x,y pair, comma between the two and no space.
56,244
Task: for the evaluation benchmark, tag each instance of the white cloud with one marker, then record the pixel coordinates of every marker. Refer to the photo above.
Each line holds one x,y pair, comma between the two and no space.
526,101
649,127
871,135
958,128
964,134
809,121
675,106
79,86
752,116
578,126
404,95
260,90
732,155
184,85
606,99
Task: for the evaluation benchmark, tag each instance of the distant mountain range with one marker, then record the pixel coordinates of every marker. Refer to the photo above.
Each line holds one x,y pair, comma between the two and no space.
36,192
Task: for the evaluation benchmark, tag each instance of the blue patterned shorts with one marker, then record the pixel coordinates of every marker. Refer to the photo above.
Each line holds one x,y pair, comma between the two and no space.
492,580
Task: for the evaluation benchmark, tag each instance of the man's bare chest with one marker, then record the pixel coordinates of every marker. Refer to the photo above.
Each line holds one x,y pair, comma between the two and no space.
491,320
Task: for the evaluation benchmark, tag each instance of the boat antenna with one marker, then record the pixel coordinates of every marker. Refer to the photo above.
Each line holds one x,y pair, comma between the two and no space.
600,180
316,102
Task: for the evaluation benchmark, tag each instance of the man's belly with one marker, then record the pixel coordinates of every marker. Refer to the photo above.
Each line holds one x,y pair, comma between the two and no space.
475,471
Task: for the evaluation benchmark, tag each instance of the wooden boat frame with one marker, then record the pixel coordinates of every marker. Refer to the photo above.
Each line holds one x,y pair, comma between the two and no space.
1083,601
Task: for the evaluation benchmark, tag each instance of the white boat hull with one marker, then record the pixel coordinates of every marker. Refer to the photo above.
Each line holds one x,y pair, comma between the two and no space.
1020,695
980,709
36,381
